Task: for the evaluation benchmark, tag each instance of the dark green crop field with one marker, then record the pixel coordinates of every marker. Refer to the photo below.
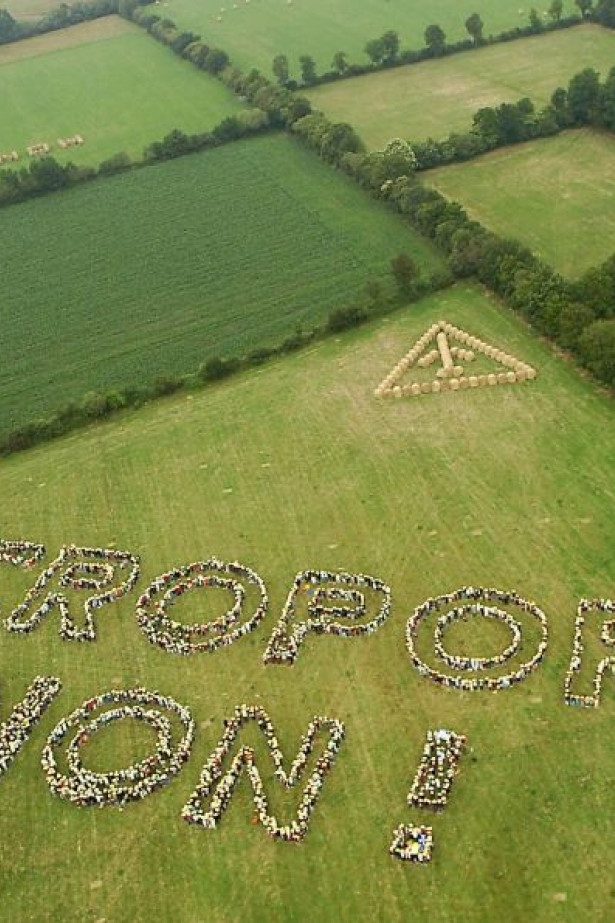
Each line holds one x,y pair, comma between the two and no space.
153,272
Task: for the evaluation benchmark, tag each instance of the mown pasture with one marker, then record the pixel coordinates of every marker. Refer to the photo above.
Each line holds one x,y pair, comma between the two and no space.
153,272
555,195
254,33
130,91
435,98
297,465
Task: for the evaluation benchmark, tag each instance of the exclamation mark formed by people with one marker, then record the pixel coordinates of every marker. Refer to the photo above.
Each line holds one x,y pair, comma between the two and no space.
430,791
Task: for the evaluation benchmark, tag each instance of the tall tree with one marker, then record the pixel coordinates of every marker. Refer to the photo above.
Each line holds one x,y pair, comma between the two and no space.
8,26
308,68
535,20
339,63
556,9
435,39
608,102
584,93
390,43
605,13
404,270
280,69
584,5
375,50
475,26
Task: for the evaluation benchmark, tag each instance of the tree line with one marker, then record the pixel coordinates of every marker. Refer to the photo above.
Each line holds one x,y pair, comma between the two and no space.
584,102
45,175
385,51
14,30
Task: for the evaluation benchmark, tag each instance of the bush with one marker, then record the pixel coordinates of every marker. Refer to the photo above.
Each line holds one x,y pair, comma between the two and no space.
345,319
215,368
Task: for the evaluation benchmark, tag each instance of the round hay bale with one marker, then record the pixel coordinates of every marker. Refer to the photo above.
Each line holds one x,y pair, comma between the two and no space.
454,384
482,381
511,378
407,390
531,374
470,357
426,387
520,375
422,363
441,373
397,391
415,388
458,370
492,379
502,378
436,387
464,383
473,380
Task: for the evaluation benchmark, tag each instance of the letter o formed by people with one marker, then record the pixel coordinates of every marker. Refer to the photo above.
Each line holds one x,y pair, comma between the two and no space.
179,638
86,788
475,601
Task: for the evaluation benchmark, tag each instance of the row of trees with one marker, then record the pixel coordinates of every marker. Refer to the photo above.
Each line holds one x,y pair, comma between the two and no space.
586,101
385,51
13,30
46,175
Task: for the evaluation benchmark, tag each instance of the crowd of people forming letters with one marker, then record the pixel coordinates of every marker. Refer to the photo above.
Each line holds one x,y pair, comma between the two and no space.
86,788
607,636
96,573
177,637
324,602
222,784
335,602
476,597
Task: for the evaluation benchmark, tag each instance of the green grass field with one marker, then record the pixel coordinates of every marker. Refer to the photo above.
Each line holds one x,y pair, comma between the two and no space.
253,34
205,261
437,97
555,195
296,465
130,91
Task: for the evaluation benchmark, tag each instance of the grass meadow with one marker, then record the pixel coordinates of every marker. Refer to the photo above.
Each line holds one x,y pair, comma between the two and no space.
254,33
435,98
555,195
296,465
216,254
131,91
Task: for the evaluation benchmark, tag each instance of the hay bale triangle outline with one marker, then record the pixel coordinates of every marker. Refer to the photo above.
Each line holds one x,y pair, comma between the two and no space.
451,376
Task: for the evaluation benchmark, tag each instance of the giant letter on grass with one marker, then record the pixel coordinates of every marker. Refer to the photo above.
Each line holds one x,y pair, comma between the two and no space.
598,608
91,569
15,732
328,603
217,786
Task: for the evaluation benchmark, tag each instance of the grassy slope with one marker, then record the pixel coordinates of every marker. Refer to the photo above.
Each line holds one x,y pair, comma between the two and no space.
130,91
205,262
511,487
254,34
438,97
555,195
